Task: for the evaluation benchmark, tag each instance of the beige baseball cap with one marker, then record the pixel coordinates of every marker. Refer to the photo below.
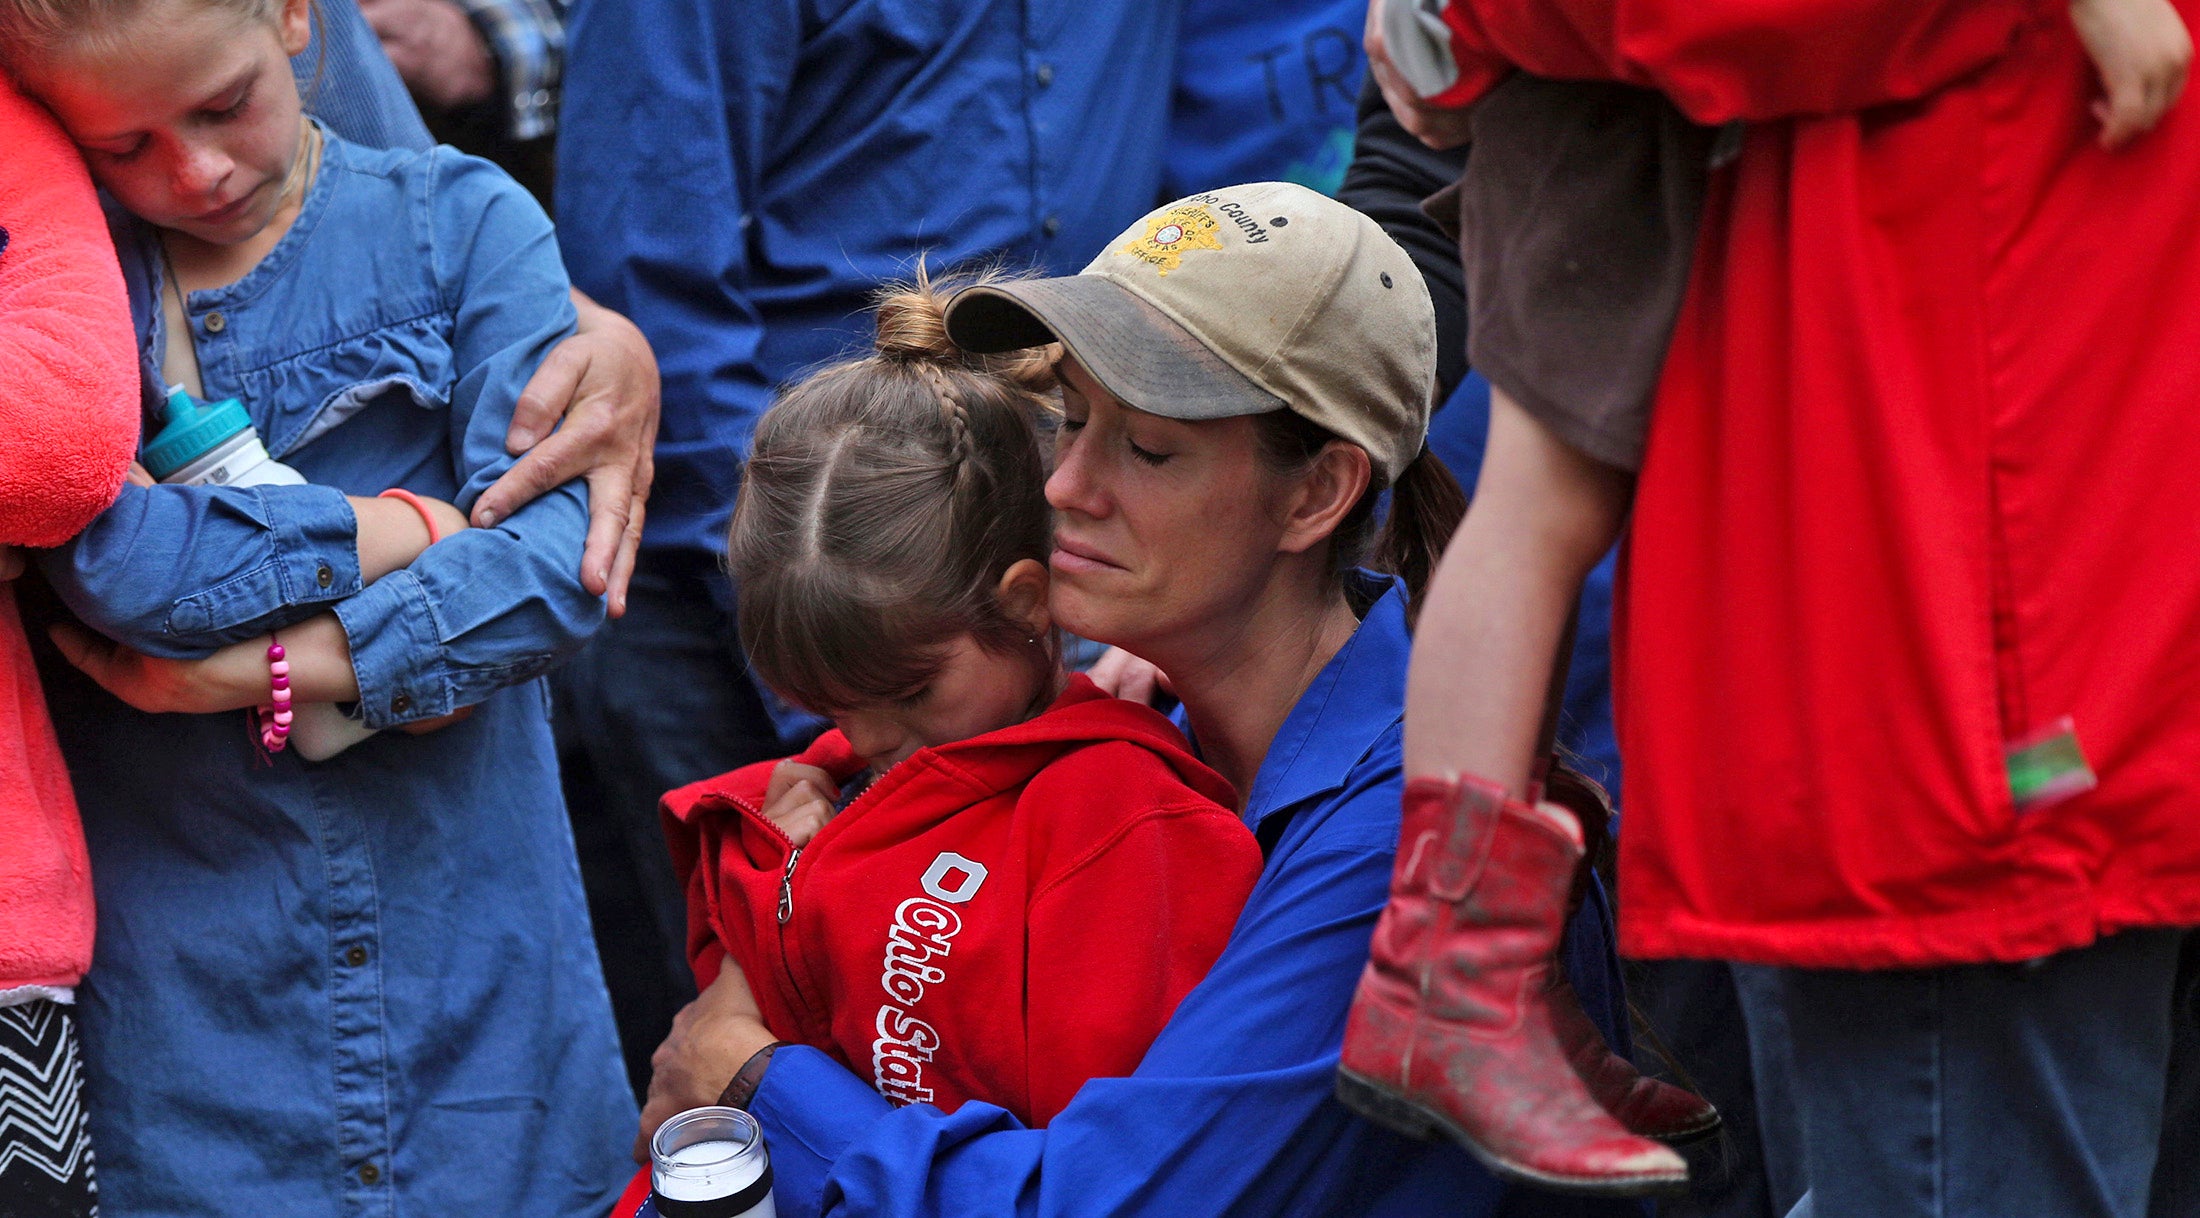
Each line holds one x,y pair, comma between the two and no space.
1240,301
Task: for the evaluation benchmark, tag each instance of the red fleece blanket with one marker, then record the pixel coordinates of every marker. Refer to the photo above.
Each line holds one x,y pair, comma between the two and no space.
68,424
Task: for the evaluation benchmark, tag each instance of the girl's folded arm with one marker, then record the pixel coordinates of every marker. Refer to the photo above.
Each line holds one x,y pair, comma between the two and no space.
177,571
490,607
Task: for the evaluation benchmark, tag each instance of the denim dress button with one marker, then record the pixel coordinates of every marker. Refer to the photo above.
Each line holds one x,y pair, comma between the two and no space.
400,704
216,323
356,956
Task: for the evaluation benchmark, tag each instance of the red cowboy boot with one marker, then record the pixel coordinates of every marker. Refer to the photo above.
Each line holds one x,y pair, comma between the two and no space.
1673,1115
1646,1106
1452,1028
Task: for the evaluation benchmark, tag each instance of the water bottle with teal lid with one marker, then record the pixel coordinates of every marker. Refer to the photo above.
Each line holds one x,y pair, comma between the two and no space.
212,444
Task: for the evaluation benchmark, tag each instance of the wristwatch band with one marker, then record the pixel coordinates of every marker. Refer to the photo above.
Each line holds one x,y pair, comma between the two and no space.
742,1089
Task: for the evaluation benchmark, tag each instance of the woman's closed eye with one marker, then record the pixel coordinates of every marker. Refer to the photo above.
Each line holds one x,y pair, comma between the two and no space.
1147,455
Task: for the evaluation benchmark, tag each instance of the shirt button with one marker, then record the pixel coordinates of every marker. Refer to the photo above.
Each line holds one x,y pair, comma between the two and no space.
1052,226
400,704
1045,75
356,956
216,323
541,97
369,1173
324,575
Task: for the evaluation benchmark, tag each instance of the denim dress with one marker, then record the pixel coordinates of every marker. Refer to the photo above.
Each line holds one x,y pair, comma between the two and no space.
366,985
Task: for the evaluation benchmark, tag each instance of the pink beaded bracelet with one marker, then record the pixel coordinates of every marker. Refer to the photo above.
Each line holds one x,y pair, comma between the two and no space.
276,715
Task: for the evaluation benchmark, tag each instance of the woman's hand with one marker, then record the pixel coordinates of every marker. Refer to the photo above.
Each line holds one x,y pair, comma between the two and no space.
712,1038
602,383
799,799
1126,676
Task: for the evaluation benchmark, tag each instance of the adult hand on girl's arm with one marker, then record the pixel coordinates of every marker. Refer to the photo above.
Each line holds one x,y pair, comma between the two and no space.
712,1038
602,382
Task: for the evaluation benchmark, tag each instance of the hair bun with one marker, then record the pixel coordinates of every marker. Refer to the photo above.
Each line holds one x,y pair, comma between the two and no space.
912,328
912,323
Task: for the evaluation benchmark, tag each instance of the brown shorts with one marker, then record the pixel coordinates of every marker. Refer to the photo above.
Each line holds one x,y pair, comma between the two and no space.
1576,219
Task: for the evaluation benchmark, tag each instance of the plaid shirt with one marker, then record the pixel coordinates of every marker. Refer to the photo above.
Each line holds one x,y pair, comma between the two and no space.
528,39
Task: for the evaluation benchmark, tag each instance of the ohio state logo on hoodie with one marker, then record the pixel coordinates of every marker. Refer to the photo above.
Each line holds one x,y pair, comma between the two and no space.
917,945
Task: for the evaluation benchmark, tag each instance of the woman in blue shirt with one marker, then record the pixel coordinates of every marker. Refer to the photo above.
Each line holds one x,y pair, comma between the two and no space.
368,984
1245,371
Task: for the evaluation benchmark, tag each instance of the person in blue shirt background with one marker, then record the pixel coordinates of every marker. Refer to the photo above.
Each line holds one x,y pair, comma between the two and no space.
738,179
1265,90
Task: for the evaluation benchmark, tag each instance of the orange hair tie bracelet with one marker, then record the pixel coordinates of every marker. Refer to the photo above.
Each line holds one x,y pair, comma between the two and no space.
426,517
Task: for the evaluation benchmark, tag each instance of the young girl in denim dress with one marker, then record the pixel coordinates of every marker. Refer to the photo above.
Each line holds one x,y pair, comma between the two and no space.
365,984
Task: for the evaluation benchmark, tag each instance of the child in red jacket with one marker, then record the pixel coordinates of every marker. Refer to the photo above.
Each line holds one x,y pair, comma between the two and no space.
990,881
1577,218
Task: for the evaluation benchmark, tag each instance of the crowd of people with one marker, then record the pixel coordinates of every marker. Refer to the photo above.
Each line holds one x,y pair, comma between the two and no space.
936,605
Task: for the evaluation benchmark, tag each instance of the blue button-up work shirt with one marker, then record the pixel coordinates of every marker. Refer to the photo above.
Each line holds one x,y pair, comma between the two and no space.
1232,1111
367,985
738,178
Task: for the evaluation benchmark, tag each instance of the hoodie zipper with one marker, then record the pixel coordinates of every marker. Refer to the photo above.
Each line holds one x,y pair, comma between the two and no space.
786,885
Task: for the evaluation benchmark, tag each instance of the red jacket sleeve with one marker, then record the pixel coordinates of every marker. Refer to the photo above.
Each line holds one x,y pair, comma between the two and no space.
68,410
730,871
1720,60
1121,934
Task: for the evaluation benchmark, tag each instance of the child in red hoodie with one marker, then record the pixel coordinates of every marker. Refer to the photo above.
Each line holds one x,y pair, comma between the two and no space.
990,881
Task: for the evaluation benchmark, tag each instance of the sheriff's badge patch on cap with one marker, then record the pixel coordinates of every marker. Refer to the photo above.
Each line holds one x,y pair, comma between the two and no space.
1168,235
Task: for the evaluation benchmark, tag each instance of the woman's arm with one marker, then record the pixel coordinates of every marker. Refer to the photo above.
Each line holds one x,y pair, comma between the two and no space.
1231,1111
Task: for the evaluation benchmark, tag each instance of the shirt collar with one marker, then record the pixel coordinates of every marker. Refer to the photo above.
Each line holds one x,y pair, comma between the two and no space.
1355,699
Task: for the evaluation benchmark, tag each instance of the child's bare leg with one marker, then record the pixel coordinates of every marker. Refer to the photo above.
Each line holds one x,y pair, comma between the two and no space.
1460,1023
1487,643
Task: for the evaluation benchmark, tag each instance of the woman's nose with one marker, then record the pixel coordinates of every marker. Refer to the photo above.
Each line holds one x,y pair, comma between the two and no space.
1073,485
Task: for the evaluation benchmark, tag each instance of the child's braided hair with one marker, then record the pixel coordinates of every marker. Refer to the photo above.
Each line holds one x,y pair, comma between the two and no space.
883,500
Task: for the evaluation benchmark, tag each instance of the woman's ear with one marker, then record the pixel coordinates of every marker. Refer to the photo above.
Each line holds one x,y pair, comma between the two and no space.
1326,493
1022,594
294,19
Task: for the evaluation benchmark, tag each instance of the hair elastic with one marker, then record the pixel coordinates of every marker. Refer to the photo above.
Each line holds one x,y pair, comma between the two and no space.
426,517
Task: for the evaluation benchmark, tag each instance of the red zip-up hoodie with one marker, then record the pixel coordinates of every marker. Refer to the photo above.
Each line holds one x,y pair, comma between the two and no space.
999,919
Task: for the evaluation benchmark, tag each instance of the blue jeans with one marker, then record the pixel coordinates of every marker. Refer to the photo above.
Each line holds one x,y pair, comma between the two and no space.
1976,1091
658,699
